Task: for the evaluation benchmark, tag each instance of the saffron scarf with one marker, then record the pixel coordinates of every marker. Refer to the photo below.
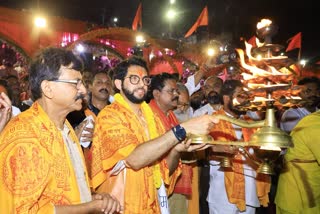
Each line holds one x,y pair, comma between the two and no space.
234,180
183,185
37,170
152,129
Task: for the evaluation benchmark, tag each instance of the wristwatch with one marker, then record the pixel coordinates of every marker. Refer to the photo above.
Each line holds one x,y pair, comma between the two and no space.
179,132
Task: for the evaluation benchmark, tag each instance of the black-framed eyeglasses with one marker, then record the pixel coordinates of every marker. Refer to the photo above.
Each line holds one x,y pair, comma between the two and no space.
135,79
172,91
77,82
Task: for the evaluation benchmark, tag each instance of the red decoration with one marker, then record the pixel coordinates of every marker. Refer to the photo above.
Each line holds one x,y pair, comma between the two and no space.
201,21
295,42
160,65
137,19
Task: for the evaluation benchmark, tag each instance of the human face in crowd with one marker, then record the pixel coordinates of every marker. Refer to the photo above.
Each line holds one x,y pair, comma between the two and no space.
135,92
101,87
212,84
169,95
14,85
309,91
69,90
239,97
183,102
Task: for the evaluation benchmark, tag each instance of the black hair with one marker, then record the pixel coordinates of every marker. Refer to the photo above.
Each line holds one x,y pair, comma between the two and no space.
121,70
99,72
229,86
307,80
158,82
46,66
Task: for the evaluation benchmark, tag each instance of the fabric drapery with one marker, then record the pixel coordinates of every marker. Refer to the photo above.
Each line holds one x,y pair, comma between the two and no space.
118,132
37,172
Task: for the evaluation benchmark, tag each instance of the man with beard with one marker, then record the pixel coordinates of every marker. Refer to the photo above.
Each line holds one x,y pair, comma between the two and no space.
211,90
232,192
310,94
132,153
43,169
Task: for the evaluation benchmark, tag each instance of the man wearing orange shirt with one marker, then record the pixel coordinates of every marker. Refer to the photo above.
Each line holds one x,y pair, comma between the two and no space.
130,141
42,166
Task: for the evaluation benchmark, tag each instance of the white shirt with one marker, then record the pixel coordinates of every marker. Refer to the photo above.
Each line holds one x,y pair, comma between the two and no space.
206,109
291,117
217,193
190,84
183,116
15,111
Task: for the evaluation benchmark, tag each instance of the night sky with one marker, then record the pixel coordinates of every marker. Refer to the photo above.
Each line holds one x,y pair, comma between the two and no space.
236,16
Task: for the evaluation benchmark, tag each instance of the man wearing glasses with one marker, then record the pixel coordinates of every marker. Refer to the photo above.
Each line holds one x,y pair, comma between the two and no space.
42,166
130,142
165,95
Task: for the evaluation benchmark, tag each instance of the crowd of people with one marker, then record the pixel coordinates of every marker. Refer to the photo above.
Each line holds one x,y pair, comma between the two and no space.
119,142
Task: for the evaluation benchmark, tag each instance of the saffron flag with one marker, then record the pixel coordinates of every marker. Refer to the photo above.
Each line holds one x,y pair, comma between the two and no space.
252,41
137,19
295,42
201,21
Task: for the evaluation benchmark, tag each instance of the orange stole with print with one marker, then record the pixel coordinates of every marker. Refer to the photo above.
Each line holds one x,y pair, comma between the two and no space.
183,185
234,180
36,171
118,132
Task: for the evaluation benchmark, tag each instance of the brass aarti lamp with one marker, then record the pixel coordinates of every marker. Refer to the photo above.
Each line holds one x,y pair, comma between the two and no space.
268,141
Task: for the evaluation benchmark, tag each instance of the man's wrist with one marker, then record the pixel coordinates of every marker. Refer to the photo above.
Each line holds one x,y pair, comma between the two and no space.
179,132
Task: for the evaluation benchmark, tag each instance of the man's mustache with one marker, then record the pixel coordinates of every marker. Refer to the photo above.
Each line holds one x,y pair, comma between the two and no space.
175,98
104,90
139,89
80,96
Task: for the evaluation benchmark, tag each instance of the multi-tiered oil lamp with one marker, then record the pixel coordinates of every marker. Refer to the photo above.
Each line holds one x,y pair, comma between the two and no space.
266,73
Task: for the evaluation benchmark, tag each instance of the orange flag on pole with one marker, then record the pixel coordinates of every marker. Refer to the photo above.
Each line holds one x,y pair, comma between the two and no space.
137,19
295,42
252,41
201,21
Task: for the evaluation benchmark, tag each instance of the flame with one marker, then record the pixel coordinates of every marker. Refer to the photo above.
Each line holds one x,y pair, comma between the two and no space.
258,43
235,102
295,98
264,23
259,99
253,69
255,85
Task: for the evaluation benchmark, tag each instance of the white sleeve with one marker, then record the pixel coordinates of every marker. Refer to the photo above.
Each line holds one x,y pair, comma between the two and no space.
190,84
289,120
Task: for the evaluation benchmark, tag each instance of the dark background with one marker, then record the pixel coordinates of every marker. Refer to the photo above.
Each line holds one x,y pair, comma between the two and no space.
236,16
